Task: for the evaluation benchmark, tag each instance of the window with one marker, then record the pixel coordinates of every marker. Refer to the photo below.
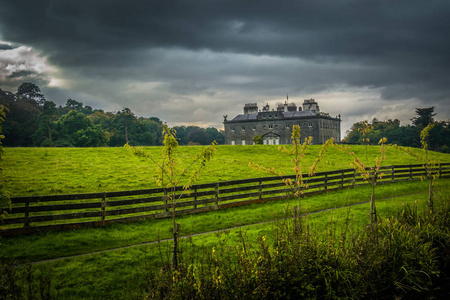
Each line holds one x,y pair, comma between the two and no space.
243,142
270,126
254,128
232,129
287,126
233,142
243,128
309,124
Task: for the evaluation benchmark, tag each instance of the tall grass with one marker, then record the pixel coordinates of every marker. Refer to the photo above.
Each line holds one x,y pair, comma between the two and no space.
335,255
397,257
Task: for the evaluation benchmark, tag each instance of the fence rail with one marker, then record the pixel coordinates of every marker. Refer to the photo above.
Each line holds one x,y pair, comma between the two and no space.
56,212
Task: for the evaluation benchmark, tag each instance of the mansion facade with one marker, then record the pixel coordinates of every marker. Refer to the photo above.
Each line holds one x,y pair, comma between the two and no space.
275,126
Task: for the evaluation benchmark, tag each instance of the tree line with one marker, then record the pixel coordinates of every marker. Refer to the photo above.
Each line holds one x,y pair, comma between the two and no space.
408,136
34,121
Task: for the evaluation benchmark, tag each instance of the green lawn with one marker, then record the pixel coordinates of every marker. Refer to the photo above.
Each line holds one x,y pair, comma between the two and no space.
59,244
123,273
46,171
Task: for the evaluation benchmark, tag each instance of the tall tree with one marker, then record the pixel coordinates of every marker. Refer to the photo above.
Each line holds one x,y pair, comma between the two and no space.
21,123
49,115
424,116
72,104
5,202
30,91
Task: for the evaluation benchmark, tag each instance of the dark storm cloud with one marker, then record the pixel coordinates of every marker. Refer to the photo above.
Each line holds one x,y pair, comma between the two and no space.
399,47
5,46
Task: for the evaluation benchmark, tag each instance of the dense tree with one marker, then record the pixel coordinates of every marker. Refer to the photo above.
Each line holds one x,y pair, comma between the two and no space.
5,201
408,135
198,136
30,91
215,135
6,97
21,122
34,121
49,115
72,104
75,129
424,117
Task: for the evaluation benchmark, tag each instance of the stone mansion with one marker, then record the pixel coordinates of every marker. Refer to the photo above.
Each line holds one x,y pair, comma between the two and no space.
275,125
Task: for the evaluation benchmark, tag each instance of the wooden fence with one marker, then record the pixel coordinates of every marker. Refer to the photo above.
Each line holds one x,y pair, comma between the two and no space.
58,212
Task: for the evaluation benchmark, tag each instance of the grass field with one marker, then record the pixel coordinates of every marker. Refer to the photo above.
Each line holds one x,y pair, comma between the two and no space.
123,273
46,171
58,244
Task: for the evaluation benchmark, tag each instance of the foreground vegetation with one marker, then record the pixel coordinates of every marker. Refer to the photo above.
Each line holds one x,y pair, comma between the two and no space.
331,254
323,261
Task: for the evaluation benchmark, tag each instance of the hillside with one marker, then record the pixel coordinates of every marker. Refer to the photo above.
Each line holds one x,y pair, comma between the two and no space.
43,171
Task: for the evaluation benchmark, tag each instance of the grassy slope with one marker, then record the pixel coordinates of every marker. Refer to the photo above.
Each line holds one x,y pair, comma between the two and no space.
59,244
32,171
122,273
44,171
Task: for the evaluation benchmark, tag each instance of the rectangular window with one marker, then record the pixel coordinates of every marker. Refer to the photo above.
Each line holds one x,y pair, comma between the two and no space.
270,126
243,128
243,142
233,142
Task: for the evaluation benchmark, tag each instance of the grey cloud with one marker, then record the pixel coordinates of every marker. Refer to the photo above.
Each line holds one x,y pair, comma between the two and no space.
5,46
242,49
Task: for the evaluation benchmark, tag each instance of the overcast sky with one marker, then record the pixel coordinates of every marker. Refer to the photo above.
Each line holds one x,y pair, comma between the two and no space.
191,62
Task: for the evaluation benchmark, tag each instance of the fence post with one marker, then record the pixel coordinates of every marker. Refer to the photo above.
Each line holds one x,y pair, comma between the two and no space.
410,171
260,189
354,178
103,208
217,195
195,197
326,182
165,200
27,214
342,180
393,171
440,170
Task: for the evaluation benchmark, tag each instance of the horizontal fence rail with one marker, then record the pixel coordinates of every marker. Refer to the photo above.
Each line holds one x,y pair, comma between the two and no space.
58,212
